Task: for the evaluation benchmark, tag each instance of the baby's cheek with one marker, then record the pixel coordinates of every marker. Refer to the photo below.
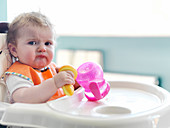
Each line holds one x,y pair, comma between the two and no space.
29,58
50,56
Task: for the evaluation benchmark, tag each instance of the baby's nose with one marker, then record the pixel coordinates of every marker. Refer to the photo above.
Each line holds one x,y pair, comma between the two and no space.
42,48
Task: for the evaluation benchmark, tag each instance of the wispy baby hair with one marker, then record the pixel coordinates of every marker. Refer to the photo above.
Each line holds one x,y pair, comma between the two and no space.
24,20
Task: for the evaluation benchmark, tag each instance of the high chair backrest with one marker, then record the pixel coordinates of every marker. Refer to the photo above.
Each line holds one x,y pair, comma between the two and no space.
5,62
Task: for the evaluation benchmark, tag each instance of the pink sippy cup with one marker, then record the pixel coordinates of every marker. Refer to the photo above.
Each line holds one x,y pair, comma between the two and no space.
90,77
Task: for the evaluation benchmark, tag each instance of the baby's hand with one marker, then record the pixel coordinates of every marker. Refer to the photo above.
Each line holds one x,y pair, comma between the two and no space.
64,77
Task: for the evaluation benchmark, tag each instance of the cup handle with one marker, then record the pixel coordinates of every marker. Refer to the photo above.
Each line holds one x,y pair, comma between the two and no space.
95,90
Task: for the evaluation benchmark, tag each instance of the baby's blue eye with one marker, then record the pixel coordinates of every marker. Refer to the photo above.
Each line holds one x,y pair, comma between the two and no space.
48,43
32,42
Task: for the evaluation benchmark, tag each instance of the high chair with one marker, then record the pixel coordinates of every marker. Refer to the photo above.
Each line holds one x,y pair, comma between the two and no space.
128,104
5,60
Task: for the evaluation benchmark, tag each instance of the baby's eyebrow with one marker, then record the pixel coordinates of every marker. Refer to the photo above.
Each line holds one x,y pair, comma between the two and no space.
32,39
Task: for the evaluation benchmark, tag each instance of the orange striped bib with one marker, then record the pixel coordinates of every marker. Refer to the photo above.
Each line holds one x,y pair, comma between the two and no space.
35,76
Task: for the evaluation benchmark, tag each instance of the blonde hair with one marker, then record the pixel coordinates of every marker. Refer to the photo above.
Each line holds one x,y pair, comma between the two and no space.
26,19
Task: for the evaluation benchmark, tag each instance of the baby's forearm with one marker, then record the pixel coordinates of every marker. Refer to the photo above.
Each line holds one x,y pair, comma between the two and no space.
35,94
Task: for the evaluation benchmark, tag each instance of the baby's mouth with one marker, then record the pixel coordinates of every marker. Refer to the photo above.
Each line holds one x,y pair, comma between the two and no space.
40,56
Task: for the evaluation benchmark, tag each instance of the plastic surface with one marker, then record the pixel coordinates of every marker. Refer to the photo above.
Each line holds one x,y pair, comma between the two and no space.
3,107
90,77
127,105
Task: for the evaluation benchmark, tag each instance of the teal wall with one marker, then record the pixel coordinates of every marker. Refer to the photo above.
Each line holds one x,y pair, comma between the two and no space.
132,55
3,10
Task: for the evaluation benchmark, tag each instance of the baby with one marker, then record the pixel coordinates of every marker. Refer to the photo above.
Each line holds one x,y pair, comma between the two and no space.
33,77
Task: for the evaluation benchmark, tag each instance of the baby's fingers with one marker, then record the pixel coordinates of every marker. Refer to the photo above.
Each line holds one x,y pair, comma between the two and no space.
69,80
70,73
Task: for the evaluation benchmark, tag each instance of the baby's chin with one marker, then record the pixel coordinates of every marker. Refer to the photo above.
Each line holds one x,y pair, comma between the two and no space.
40,66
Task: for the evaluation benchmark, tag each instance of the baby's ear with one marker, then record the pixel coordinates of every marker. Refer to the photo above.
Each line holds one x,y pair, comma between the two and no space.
12,49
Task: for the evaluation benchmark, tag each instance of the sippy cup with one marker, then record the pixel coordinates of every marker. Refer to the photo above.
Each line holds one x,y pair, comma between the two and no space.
90,77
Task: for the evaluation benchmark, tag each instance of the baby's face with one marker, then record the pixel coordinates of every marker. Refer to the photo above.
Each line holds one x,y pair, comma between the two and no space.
35,46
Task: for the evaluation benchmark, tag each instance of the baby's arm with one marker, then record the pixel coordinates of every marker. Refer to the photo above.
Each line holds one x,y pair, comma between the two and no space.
41,93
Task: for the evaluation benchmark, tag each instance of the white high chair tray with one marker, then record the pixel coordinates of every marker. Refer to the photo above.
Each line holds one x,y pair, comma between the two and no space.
128,105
